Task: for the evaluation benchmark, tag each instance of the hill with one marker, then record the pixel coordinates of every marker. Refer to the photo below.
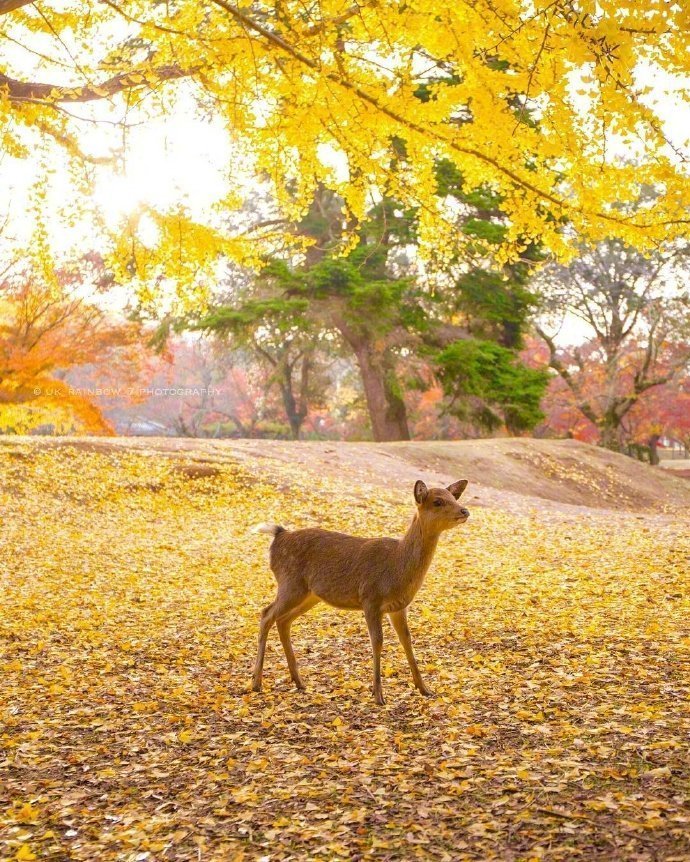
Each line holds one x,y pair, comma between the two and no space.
511,474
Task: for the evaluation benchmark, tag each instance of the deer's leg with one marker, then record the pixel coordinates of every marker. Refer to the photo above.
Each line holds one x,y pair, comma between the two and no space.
372,614
287,599
267,620
283,624
399,620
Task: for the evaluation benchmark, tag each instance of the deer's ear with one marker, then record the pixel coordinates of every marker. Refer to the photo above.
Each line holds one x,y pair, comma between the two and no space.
457,488
420,491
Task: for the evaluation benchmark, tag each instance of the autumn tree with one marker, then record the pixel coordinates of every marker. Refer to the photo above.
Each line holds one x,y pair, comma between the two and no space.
47,328
676,412
275,333
313,95
662,412
197,388
636,308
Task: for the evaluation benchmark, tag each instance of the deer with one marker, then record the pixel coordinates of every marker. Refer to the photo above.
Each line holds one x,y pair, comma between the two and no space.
377,576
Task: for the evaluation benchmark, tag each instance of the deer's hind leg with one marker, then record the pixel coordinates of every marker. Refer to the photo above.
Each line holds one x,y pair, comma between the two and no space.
288,598
283,624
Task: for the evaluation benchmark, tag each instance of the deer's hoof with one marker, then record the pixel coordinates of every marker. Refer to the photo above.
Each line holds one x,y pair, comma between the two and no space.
256,686
426,692
380,699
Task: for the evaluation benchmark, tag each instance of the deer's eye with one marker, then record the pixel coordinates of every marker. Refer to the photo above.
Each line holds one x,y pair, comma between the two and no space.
438,502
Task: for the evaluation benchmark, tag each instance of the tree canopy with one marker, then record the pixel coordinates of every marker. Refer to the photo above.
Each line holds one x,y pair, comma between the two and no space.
550,105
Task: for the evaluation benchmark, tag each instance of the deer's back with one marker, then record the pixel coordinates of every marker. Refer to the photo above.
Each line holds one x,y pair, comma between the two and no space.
338,568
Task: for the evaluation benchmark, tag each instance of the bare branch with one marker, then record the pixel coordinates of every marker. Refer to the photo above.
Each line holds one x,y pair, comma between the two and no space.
560,369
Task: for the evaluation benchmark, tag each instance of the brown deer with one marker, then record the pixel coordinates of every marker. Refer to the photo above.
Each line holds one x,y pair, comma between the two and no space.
377,576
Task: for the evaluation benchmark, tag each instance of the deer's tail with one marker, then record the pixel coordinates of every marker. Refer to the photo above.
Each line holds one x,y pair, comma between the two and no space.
270,529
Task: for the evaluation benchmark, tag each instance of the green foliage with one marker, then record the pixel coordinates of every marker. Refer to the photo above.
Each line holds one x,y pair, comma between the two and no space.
490,231
450,182
488,384
372,300
496,305
282,313
387,222
159,337
333,277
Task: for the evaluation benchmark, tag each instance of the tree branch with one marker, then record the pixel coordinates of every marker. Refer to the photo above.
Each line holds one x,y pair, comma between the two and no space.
583,406
10,5
50,94
336,21
20,91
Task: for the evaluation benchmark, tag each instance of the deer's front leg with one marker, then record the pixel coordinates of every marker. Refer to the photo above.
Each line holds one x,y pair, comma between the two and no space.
372,614
399,620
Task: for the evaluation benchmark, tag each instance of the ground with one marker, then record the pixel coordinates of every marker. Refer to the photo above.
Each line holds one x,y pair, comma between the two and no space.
553,628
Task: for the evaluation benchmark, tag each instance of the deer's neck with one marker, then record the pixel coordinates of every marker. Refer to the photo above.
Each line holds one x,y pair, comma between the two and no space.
417,550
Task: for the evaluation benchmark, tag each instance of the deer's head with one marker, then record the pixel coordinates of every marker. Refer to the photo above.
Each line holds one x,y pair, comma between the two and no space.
439,507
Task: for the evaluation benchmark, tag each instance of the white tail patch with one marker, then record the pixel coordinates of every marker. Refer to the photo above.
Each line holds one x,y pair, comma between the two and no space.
270,529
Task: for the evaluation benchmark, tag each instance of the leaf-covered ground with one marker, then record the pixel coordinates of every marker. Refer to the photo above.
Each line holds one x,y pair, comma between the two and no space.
130,593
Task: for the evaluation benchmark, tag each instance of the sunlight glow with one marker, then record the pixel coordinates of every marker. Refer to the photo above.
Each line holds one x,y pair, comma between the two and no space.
183,160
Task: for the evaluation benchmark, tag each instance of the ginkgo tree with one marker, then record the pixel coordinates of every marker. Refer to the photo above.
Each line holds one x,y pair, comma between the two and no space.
319,93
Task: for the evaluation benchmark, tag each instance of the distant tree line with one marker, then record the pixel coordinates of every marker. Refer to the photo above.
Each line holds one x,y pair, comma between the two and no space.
368,344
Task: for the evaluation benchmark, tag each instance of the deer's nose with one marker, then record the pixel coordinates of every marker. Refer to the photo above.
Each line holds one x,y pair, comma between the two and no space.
465,513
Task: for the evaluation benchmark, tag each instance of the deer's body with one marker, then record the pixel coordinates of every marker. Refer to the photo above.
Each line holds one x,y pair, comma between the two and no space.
377,576
347,571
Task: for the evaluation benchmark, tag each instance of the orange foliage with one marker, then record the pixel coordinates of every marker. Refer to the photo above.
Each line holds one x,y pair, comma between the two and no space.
662,409
44,331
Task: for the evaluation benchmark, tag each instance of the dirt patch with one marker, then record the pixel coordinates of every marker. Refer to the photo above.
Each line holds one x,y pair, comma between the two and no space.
153,487
197,471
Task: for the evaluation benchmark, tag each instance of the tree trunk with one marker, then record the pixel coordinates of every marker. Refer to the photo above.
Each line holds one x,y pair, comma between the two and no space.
294,416
653,444
385,403
610,428
296,409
